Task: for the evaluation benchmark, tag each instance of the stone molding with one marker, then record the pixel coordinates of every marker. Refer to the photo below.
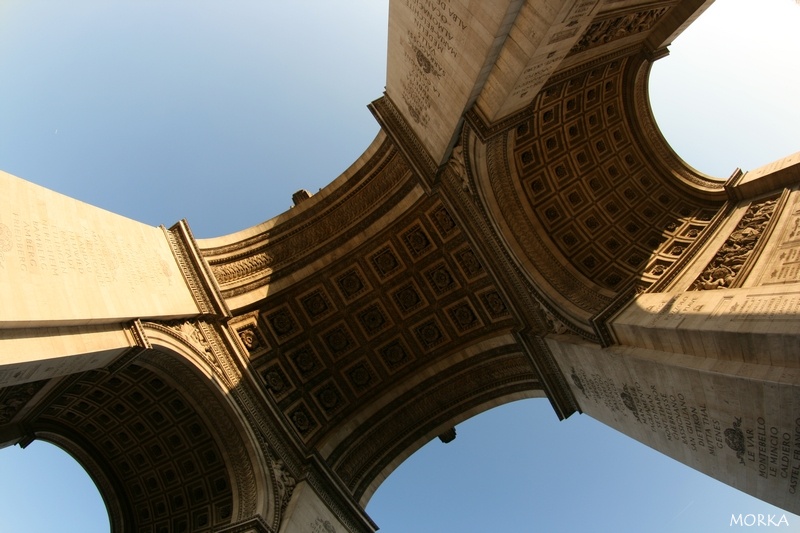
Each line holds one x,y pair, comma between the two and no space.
651,140
536,315
229,436
359,459
201,283
277,253
394,124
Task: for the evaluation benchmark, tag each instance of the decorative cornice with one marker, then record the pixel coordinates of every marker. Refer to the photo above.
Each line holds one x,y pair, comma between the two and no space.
294,221
600,320
396,126
346,510
141,344
458,191
555,385
392,431
281,251
537,316
198,278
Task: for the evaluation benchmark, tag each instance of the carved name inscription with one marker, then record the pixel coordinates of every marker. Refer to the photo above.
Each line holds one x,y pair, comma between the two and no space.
766,307
784,267
550,55
435,39
44,248
672,311
771,450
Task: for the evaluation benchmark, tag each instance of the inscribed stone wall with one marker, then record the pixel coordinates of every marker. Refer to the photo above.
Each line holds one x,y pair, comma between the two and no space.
436,51
712,417
65,262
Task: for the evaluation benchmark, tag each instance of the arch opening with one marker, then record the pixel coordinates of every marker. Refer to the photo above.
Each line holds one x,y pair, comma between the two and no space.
51,490
712,97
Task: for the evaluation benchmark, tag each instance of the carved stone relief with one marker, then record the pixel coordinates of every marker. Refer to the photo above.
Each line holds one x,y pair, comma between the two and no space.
574,186
611,29
724,270
14,398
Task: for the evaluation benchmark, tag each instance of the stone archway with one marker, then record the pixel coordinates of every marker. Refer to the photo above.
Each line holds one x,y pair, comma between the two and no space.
160,444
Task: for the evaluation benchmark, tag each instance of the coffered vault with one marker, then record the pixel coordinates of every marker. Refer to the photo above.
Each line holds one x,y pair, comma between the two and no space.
518,228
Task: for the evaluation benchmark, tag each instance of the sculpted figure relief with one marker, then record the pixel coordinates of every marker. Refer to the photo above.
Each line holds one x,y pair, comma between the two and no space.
723,270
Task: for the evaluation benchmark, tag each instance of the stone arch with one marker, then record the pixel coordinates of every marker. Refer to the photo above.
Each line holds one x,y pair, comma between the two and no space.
465,384
441,430
586,193
162,440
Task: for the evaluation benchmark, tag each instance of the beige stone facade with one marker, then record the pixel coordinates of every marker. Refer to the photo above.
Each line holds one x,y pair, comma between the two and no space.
519,228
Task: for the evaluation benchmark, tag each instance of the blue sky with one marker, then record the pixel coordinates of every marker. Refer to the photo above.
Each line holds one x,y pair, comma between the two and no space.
217,112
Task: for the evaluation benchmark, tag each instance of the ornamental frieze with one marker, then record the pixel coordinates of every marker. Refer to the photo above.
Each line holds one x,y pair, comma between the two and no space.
611,29
283,249
726,269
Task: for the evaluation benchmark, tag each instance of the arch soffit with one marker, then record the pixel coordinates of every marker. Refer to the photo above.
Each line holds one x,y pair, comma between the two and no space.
585,190
189,366
197,418
371,445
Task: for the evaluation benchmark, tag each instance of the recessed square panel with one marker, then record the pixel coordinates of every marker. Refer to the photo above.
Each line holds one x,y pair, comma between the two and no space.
351,283
552,214
441,279
417,241
301,418
408,298
575,197
494,304
316,304
252,339
463,316
429,334
549,117
469,263
386,262
373,319
282,323
395,354
601,147
276,380
444,223
329,398
338,340
305,361
361,376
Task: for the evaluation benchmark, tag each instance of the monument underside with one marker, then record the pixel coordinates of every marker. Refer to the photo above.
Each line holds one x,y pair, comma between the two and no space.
519,228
